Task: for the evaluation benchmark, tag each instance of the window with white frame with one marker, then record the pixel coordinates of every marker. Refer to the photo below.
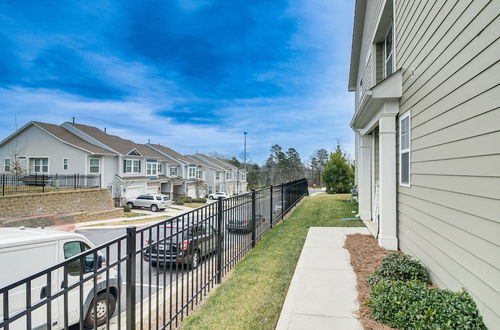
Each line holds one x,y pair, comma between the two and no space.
131,166
173,171
404,149
6,165
243,177
199,174
40,165
389,53
151,168
217,175
228,176
94,165
65,164
192,172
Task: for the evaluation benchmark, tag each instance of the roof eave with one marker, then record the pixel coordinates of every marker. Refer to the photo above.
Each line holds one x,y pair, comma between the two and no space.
357,34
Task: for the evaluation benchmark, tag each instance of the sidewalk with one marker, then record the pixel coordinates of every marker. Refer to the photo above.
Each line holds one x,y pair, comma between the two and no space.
173,211
322,294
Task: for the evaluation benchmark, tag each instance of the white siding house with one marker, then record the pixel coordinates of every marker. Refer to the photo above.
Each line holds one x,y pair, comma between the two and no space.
427,121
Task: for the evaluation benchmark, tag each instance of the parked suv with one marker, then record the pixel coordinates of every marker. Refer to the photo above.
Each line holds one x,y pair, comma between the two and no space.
186,243
27,251
153,202
218,194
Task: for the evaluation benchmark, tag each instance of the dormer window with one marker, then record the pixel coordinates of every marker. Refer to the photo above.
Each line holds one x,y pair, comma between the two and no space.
389,53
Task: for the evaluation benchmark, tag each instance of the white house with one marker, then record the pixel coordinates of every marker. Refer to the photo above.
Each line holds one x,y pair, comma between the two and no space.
41,148
427,121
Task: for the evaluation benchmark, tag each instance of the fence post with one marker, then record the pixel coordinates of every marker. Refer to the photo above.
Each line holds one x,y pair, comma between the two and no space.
74,182
253,219
271,205
3,185
282,201
43,183
220,234
36,181
130,278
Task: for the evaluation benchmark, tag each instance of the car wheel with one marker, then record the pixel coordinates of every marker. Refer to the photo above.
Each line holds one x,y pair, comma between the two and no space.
195,259
102,310
130,204
154,208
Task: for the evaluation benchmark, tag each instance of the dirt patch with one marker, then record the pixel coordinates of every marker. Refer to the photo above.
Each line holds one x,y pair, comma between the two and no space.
366,256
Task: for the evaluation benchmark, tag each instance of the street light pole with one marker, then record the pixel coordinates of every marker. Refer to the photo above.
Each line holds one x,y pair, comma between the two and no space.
245,160
245,157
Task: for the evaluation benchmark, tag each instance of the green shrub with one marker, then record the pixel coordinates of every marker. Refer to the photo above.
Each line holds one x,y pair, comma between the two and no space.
399,267
179,202
199,200
413,305
126,208
184,200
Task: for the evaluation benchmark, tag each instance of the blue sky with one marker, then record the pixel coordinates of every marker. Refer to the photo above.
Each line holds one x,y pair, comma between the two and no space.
191,74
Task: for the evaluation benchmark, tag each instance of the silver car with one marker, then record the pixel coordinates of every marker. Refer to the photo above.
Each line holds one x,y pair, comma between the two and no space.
152,202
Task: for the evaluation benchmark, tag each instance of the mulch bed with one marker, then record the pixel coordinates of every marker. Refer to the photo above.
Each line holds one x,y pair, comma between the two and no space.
366,257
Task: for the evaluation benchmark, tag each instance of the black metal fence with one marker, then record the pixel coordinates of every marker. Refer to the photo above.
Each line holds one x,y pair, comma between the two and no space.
11,184
151,277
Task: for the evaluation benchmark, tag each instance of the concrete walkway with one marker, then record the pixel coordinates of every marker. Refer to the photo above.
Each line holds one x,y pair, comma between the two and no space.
322,294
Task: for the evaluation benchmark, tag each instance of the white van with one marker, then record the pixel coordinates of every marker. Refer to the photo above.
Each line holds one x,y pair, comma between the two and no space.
27,251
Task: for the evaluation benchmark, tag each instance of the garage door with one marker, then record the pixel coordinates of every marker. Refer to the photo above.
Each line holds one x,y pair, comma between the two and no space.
152,190
133,192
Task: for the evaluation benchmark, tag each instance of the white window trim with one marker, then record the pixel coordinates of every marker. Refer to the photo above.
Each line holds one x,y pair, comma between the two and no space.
176,171
401,151
154,169
41,169
98,166
391,29
5,165
65,164
199,174
194,172
132,166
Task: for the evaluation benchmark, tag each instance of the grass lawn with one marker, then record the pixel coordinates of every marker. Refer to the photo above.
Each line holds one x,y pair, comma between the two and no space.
133,214
252,296
194,205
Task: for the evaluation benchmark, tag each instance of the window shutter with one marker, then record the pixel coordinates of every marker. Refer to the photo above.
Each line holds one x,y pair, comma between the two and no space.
124,166
139,166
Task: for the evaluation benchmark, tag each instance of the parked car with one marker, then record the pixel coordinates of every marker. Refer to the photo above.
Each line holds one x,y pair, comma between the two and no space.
244,225
27,251
278,207
152,202
185,243
217,195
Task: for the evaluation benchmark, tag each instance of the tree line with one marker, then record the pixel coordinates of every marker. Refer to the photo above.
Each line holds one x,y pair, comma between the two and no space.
332,170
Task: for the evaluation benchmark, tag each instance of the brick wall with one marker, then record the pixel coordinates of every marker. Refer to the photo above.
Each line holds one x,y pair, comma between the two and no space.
88,200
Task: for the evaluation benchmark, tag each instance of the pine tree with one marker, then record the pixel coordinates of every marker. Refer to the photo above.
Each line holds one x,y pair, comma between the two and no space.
338,174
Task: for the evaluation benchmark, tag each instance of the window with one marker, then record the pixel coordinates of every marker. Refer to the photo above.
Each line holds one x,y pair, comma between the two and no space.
65,164
41,165
217,175
243,177
389,53
94,165
72,249
199,174
173,171
151,169
131,166
6,166
160,168
228,176
192,172
404,149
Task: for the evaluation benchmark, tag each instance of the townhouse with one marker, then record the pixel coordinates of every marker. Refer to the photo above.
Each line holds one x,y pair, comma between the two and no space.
425,77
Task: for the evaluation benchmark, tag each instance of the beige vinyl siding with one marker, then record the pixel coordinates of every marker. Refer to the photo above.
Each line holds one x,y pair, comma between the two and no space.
449,53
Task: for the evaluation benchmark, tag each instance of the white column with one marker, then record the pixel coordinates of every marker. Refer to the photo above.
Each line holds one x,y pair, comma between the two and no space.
387,168
365,177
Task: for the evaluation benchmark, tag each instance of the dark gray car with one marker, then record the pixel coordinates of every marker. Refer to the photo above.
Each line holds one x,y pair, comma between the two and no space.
185,243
